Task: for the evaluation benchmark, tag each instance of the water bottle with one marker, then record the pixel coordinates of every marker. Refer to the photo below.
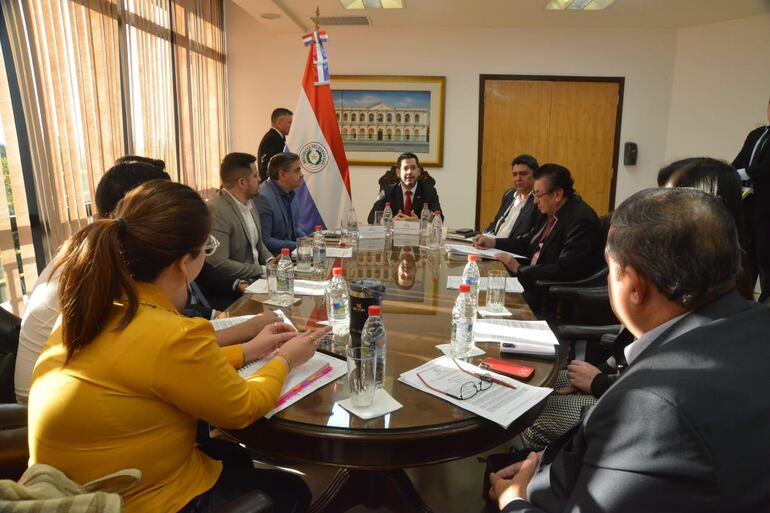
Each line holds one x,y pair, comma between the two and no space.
425,219
435,231
338,303
352,225
471,276
373,336
285,279
463,318
319,247
387,219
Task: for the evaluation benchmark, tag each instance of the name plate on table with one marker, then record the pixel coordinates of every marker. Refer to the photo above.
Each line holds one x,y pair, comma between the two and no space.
371,231
406,228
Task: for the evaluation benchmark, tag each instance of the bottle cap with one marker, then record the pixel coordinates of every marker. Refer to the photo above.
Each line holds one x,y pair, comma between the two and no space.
464,287
473,258
387,203
425,204
285,251
337,271
437,213
374,309
318,227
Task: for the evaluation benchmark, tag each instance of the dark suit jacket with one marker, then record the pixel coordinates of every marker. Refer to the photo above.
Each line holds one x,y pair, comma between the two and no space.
394,194
528,217
572,250
684,429
759,171
272,142
276,226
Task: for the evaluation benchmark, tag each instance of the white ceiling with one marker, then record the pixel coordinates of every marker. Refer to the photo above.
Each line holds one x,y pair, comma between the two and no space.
643,14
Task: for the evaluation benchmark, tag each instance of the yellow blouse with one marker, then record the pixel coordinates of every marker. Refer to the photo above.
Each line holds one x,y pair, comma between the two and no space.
131,399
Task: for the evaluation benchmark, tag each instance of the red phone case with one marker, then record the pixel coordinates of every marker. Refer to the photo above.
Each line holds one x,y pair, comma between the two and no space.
508,368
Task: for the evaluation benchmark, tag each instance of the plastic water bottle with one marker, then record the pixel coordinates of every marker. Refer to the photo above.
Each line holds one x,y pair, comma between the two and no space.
471,276
373,336
319,247
387,219
285,279
338,303
435,231
425,219
463,319
352,225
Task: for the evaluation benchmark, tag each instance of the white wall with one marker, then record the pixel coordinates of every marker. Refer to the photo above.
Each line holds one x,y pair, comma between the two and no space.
265,70
721,87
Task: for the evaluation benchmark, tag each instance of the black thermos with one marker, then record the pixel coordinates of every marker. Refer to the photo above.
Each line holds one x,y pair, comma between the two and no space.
364,292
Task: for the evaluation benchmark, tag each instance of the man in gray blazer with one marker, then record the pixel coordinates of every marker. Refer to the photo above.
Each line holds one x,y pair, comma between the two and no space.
235,221
685,428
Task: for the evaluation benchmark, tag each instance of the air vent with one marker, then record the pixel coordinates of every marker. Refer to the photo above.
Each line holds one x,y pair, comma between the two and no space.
325,21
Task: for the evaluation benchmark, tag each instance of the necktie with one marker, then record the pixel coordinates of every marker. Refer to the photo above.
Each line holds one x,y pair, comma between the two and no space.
546,232
758,146
408,203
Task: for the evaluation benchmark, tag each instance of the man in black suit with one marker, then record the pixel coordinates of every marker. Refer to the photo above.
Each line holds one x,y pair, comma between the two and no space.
408,195
274,140
518,213
753,164
565,245
685,427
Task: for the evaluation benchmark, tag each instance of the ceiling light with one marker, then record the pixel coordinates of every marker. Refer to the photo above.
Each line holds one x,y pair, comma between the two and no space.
270,15
372,4
578,5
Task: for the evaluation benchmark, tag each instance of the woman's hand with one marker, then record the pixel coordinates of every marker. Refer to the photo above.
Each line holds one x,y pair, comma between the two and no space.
300,348
269,339
509,262
580,374
245,331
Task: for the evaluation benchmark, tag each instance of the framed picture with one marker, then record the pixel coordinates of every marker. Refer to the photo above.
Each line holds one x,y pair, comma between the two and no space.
382,116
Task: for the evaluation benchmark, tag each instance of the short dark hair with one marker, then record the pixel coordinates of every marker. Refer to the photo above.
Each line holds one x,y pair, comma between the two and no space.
160,164
558,177
407,155
682,240
280,112
526,160
235,166
280,162
665,172
120,179
714,177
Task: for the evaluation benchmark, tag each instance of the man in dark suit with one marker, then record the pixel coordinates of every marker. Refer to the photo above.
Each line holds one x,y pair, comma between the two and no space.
278,207
274,140
753,165
684,428
565,245
518,213
408,196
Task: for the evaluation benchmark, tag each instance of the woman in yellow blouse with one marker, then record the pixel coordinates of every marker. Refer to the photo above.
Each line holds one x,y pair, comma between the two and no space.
123,380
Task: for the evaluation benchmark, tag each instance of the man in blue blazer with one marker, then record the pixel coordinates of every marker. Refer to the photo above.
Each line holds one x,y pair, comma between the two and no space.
277,206
685,427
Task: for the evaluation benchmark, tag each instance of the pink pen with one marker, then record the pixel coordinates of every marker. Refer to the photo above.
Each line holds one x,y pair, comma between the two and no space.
323,371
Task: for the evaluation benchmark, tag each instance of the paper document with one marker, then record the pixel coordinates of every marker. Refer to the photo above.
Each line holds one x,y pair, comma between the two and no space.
462,249
299,374
511,284
339,252
229,322
523,337
499,403
258,287
310,288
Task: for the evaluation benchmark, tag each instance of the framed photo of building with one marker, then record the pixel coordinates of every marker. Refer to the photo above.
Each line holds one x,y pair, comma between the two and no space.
382,116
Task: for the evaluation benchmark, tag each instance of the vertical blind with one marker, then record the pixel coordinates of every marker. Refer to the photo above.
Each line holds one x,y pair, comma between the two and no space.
99,79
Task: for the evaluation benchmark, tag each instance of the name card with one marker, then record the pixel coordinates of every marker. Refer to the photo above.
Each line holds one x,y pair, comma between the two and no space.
339,252
371,231
406,228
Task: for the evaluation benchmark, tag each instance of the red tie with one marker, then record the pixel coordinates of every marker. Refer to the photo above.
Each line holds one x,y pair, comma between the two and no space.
546,232
408,203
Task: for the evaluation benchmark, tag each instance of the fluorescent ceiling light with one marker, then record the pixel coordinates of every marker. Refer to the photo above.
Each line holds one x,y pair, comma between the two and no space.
578,5
372,4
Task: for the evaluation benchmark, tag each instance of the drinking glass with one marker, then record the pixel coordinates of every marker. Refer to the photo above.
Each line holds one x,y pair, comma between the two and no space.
271,271
378,217
496,290
362,367
304,254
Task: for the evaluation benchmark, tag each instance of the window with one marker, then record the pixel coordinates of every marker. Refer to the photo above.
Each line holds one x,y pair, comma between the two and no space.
406,118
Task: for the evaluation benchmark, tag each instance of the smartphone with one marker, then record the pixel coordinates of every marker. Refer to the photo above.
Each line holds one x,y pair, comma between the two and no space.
508,368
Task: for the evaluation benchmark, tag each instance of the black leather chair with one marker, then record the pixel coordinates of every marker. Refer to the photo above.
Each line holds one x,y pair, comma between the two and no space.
13,417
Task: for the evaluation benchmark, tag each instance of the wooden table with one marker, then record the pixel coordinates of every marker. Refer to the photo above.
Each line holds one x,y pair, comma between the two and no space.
371,455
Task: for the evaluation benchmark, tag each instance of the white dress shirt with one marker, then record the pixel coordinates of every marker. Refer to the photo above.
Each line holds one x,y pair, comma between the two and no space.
635,348
509,219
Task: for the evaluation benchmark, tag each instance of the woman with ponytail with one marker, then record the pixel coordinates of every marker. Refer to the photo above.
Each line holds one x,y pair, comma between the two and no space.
123,380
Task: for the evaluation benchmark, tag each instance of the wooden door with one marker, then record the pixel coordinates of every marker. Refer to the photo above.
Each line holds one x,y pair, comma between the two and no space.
569,122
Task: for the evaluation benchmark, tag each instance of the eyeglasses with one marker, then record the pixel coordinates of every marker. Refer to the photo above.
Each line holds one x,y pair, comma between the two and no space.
470,388
538,196
211,246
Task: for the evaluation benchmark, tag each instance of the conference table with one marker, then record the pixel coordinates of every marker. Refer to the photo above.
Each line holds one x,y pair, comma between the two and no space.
371,454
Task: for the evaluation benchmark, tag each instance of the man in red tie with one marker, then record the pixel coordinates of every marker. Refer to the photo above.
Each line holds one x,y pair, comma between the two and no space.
410,194
566,245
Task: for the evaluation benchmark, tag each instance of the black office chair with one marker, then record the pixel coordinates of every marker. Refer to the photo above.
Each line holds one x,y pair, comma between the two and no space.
13,417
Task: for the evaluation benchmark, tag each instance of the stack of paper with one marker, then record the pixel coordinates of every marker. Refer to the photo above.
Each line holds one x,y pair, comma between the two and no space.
511,284
500,404
462,249
533,338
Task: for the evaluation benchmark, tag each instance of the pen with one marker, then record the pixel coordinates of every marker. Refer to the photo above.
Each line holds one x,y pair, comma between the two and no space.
495,380
323,371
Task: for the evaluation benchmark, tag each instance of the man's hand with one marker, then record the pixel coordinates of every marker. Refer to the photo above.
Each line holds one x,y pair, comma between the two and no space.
403,217
483,242
512,481
580,374
509,262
